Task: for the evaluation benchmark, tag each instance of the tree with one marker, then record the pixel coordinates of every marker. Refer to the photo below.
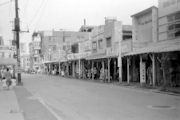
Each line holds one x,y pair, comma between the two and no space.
165,64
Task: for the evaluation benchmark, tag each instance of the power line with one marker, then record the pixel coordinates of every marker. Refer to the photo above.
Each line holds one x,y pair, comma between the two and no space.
4,3
42,13
37,11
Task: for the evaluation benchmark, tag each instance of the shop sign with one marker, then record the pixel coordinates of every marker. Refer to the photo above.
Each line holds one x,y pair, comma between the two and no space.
142,72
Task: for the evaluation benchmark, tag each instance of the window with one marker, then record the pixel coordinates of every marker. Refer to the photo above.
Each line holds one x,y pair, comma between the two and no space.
177,16
94,46
174,27
100,43
177,25
126,37
177,33
169,3
171,27
173,17
75,48
108,42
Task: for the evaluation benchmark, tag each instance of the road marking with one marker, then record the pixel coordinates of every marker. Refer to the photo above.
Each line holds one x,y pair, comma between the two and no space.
49,109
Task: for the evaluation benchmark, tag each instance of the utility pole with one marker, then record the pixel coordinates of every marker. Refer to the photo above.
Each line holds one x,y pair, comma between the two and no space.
17,30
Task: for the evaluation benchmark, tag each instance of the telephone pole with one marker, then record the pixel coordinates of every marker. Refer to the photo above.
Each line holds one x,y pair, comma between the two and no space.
17,30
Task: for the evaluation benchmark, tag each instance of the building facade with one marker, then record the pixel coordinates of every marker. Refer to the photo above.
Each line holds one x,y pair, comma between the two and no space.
25,62
35,51
146,52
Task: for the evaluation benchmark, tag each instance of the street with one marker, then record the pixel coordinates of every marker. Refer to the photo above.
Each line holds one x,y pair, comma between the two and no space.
72,99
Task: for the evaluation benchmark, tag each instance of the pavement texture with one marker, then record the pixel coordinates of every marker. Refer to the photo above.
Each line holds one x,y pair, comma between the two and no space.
32,108
70,99
9,108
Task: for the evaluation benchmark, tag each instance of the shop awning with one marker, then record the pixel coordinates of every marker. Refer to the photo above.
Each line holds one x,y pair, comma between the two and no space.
100,56
7,61
157,48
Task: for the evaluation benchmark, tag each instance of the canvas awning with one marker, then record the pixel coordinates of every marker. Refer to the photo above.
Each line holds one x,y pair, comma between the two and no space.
7,61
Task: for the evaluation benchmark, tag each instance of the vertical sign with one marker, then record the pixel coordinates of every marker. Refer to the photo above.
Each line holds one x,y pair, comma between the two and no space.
142,72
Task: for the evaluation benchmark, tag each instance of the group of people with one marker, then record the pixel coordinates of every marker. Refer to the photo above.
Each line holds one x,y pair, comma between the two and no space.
6,74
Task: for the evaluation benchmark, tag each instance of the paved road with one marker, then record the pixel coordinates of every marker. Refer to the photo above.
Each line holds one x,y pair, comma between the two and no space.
70,99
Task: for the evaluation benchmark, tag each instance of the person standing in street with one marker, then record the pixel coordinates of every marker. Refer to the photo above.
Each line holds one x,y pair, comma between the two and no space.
8,76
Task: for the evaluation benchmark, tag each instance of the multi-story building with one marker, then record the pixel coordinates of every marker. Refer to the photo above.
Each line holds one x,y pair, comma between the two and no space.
144,39
23,48
62,46
169,41
25,62
155,45
106,48
35,51
169,20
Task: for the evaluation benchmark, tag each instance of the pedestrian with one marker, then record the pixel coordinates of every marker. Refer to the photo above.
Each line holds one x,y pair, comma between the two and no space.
8,76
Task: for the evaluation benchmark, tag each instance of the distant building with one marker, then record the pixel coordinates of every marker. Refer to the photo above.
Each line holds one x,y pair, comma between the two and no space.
25,62
7,55
7,51
23,48
35,52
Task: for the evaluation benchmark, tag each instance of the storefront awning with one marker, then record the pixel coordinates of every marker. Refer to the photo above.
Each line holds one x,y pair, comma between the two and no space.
7,61
100,56
157,48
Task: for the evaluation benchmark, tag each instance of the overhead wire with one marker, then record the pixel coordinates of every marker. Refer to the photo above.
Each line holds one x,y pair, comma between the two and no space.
24,14
42,13
37,12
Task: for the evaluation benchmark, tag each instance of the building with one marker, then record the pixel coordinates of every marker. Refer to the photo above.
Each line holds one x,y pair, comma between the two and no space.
25,62
106,49
169,17
23,48
35,52
169,41
63,46
155,46
7,55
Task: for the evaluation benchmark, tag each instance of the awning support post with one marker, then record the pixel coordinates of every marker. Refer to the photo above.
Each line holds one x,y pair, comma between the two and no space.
109,60
128,64
153,69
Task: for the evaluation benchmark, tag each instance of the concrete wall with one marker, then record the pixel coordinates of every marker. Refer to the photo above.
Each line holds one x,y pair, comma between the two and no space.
145,29
166,7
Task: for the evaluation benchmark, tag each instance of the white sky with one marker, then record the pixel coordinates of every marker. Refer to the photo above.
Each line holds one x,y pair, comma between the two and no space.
66,14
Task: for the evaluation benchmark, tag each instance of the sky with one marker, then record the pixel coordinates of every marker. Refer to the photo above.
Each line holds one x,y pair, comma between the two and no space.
65,14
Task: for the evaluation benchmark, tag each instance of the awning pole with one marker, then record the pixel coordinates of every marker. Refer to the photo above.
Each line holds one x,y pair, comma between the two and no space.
128,63
109,69
153,70
92,70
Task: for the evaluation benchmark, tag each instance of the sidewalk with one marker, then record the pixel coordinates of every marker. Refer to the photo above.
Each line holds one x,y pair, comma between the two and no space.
169,90
9,108
32,107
